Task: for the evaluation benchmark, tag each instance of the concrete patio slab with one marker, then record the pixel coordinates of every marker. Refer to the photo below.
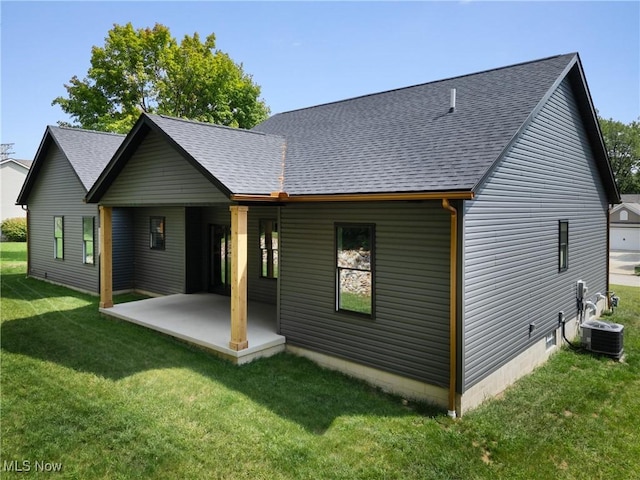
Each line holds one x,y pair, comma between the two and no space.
204,319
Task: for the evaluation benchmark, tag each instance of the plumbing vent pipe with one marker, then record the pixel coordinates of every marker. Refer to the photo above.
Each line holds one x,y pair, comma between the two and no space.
452,102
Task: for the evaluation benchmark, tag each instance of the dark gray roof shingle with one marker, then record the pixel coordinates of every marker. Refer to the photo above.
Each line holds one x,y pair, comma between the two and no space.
88,151
244,161
406,140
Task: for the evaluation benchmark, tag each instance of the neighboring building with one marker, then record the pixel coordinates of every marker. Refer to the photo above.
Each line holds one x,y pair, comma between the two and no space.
625,224
62,227
13,173
426,246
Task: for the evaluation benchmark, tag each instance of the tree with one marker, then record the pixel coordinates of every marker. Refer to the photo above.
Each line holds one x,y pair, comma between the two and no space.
147,70
623,146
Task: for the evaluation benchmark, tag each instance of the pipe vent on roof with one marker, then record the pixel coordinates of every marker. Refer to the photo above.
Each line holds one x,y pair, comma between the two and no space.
452,102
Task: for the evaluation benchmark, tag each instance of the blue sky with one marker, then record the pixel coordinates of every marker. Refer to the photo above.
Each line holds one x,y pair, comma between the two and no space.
307,53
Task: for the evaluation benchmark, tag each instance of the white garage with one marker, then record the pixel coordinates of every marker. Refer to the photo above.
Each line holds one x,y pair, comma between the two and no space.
625,238
625,225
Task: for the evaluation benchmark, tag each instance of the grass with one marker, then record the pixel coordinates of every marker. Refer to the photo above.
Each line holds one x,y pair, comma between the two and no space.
107,399
355,303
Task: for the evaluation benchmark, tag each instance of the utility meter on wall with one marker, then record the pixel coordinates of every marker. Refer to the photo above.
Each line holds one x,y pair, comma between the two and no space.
581,289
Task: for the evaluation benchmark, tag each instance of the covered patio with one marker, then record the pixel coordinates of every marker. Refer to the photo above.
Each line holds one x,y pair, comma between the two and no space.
203,319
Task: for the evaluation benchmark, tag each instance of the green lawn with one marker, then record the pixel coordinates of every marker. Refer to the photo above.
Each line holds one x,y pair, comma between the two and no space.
107,399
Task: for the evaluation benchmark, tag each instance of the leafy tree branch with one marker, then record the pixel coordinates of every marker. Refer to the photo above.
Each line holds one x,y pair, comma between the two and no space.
147,70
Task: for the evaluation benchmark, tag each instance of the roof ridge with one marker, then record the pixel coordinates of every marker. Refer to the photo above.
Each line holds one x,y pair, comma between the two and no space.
86,130
213,125
428,83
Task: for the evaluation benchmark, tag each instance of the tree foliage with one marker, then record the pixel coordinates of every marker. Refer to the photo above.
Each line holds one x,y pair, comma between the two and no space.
623,146
147,70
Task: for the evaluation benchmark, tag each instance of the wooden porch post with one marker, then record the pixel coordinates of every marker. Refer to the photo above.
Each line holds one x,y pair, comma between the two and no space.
238,278
106,263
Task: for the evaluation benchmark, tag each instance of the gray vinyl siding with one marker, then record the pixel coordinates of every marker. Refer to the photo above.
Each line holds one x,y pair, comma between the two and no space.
511,275
157,174
122,249
58,192
409,333
160,271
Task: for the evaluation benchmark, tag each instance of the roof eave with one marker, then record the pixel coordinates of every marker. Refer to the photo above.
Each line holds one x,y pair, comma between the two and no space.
573,69
25,191
590,117
283,197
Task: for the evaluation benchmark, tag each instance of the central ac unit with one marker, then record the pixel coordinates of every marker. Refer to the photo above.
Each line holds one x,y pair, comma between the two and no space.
603,337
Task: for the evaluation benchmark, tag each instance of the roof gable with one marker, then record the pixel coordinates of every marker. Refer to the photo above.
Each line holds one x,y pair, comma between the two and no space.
25,164
236,161
629,206
87,151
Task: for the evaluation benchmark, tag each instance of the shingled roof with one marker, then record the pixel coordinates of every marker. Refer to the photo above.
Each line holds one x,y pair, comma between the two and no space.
244,161
87,151
407,140
394,142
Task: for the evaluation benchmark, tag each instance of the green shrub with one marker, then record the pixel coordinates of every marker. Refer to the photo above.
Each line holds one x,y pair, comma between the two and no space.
14,229
637,270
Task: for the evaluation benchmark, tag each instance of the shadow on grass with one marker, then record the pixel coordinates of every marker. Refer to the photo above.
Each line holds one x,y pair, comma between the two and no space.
291,387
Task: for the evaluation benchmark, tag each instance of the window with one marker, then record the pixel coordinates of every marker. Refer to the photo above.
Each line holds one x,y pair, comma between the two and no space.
624,215
156,233
87,240
269,248
355,268
58,237
550,340
563,245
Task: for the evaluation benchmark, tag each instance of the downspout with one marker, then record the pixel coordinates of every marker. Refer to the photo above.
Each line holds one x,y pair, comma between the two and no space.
28,241
608,293
453,282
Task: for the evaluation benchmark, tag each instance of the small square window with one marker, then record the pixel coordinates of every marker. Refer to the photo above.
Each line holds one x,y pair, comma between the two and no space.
563,245
156,233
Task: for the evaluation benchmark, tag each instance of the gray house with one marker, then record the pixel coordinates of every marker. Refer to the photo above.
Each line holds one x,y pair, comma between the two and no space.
13,173
425,239
62,227
625,224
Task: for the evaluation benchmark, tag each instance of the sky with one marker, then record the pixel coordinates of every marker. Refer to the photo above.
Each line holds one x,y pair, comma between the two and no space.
309,53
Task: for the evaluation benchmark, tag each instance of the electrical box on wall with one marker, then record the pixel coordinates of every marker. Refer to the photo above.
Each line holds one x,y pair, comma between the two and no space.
603,337
581,289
